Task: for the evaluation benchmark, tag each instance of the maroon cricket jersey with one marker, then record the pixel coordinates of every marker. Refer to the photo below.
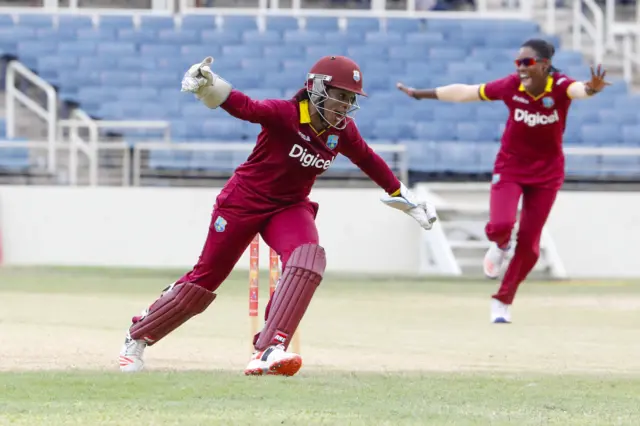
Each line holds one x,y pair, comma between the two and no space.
289,155
531,147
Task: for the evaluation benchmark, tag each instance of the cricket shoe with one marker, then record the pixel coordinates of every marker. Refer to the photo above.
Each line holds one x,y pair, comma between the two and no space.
494,261
500,312
131,355
273,361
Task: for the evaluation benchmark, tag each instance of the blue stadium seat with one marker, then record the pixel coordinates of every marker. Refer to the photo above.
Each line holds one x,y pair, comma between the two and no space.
138,94
458,157
383,39
242,51
160,79
435,131
195,52
316,52
348,38
14,159
35,21
408,52
78,48
156,22
403,26
137,36
282,23
284,52
631,135
601,134
262,38
322,24
198,22
363,25
96,34
303,38
75,21
392,129
6,20
221,38
240,23
115,22
159,50
120,49
184,36
36,48
619,165
229,129
478,131
136,63
169,160
426,39
582,165
119,78
614,116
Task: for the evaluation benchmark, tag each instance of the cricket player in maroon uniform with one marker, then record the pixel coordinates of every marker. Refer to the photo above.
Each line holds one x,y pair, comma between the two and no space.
268,195
530,162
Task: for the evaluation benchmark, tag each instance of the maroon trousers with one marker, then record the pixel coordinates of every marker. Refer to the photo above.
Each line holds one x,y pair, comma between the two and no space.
536,206
234,223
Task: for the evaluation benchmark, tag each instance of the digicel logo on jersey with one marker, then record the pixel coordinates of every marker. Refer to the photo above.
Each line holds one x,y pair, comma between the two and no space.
309,160
534,119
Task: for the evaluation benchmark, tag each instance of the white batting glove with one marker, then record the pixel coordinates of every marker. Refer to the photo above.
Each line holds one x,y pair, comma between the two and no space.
421,211
198,76
207,86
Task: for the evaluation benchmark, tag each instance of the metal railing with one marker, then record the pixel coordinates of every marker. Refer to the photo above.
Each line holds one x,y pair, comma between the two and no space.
139,148
49,115
595,30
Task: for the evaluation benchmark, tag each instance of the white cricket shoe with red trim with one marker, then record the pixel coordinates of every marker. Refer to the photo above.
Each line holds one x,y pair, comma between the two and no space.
494,261
274,361
130,358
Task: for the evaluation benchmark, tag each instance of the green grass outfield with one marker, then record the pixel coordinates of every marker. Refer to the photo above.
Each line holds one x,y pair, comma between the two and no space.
376,352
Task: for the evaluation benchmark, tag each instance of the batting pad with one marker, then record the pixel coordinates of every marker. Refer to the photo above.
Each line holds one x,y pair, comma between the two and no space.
170,311
292,297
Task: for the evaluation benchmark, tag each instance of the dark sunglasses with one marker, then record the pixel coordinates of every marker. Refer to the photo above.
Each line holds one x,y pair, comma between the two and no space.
527,62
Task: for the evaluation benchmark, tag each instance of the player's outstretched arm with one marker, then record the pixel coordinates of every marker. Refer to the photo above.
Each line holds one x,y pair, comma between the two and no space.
205,85
399,196
582,90
449,93
214,92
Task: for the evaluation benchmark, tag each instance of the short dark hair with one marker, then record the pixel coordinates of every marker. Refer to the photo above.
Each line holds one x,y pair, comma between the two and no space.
544,49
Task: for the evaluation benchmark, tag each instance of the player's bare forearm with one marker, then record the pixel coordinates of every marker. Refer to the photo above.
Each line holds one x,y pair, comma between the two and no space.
449,93
424,94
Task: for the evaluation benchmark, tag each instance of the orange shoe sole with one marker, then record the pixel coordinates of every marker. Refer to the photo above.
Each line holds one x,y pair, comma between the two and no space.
287,367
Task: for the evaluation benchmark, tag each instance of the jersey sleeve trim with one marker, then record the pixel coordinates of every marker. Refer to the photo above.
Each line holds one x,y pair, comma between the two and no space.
483,95
569,90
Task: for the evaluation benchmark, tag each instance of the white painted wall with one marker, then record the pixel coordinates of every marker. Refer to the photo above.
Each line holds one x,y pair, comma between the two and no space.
597,234
161,227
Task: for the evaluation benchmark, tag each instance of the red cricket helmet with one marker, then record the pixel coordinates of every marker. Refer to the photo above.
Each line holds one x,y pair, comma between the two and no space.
339,72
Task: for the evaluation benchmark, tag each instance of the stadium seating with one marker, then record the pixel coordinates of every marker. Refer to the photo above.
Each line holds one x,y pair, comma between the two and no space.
116,69
12,159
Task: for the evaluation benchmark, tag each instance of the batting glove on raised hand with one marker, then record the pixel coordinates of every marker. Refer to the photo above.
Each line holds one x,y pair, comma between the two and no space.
210,88
198,76
423,212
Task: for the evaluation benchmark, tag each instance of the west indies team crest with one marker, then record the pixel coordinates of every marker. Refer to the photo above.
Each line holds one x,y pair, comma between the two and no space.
220,224
547,102
332,141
